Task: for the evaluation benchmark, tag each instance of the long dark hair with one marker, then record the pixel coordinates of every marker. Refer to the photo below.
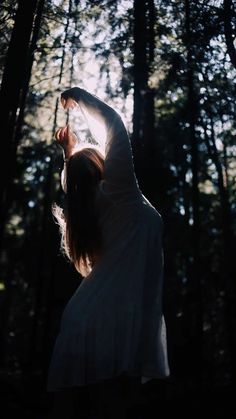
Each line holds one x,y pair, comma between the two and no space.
81,236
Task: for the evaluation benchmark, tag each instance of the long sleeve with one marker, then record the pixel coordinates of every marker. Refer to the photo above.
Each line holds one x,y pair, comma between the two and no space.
119,172
63,178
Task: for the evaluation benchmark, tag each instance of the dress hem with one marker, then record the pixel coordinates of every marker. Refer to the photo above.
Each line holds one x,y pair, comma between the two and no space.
144,377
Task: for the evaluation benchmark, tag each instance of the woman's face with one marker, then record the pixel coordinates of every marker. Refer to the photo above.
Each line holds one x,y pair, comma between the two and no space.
68,103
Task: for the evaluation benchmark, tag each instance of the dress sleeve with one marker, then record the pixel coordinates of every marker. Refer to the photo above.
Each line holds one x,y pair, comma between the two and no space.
63,178
119,174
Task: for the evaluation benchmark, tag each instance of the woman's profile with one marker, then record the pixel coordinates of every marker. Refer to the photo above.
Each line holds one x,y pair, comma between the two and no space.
112,333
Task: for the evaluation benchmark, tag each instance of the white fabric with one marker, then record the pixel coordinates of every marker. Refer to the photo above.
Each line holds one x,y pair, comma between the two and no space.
113,323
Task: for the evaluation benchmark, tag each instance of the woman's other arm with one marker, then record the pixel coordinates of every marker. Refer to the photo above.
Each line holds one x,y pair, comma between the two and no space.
67,140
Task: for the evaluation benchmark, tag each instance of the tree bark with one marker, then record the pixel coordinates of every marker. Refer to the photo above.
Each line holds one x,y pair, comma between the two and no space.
149,116
13,91
33,46
229,249
46,268
140,67
192,119
229,31
143,138
194,298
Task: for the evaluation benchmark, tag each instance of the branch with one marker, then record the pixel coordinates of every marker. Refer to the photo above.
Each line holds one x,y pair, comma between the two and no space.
45,79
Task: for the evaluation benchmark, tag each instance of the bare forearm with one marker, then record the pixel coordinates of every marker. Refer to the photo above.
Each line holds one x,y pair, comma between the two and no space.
67,153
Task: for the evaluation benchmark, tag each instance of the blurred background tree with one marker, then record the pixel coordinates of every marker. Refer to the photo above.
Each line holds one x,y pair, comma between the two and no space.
169,69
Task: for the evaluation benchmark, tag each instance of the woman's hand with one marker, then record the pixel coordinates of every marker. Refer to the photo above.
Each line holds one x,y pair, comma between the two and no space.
66,139
68,103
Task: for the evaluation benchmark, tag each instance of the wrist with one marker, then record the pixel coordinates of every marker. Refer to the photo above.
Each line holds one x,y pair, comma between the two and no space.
67,153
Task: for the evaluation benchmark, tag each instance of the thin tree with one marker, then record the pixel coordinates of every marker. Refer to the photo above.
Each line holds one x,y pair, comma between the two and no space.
194,296
143,138
228,11
44,281
13,91
228,242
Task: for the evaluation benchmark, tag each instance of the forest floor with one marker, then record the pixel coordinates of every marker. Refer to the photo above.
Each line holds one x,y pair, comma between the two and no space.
27,398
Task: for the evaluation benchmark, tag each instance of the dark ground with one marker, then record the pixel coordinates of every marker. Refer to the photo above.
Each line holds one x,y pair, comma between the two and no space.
26,397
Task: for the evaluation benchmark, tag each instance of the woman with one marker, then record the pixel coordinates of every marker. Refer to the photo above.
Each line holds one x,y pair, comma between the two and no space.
112,329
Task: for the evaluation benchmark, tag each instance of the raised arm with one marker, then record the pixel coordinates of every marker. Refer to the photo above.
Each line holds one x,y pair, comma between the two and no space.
67,141
118,169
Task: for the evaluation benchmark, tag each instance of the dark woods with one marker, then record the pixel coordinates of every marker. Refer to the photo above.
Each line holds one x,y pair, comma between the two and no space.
177,61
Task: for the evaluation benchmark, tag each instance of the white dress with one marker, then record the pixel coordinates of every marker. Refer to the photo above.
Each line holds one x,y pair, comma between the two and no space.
114,323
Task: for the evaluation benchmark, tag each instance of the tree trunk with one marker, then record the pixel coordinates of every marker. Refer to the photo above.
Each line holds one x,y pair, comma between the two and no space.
149,116
192,119
13,91
143,139
229,249
194,298
33,46
12,95
47,256
229,31
140,68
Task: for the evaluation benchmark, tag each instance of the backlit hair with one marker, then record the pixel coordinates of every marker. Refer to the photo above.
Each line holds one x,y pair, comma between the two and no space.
81,236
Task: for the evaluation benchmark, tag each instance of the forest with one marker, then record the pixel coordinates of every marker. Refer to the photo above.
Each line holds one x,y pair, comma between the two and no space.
169,68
